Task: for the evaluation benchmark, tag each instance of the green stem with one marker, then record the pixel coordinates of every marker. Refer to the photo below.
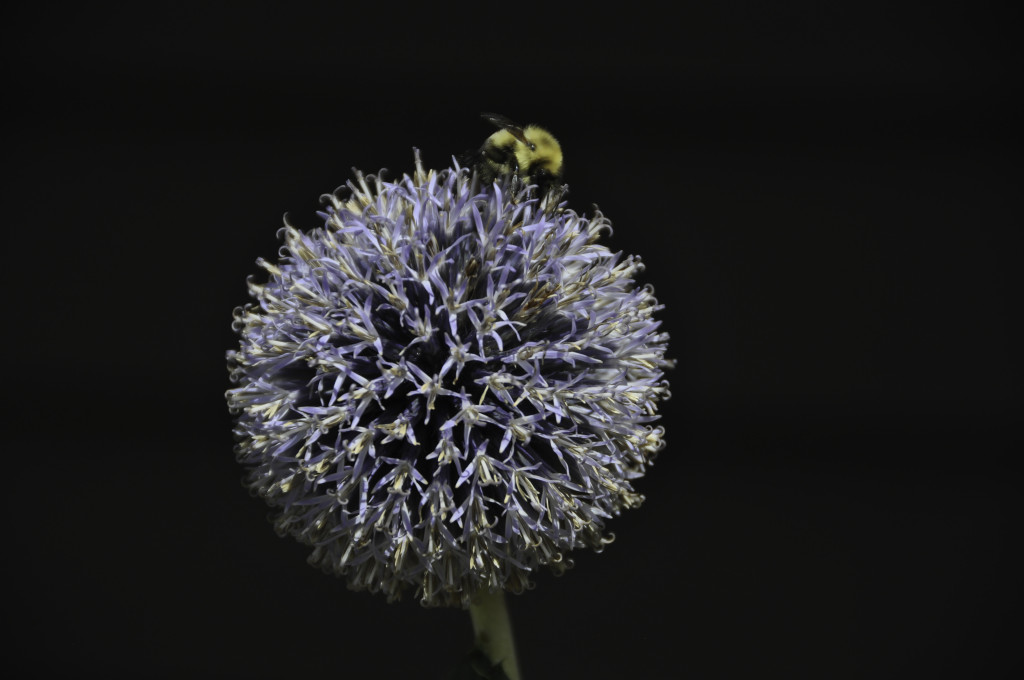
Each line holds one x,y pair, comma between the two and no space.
492,630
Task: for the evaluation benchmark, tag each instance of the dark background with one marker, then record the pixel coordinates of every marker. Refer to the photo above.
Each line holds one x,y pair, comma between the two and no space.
823,195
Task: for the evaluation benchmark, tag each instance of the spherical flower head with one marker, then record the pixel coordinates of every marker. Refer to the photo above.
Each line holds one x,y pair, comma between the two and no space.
447,386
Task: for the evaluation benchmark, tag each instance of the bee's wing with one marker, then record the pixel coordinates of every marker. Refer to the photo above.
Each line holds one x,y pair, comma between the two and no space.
504,123
498,120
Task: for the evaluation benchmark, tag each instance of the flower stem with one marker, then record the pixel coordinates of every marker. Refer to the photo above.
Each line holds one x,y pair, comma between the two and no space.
492,630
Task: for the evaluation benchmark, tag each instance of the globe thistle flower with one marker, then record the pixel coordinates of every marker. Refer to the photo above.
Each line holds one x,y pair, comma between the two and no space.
446,387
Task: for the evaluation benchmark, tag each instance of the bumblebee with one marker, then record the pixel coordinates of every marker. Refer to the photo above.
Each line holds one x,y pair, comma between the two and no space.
526,155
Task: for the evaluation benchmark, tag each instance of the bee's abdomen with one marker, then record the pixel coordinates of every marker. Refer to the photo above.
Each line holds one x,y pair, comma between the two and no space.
494,161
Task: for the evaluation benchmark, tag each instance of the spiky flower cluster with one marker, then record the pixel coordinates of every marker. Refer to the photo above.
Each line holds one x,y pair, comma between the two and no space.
445,388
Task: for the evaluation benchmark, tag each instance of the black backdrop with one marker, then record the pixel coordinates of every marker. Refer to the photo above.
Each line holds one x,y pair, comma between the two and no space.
823,196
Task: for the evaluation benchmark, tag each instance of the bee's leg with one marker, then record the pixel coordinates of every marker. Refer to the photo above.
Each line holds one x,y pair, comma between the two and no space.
516,185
